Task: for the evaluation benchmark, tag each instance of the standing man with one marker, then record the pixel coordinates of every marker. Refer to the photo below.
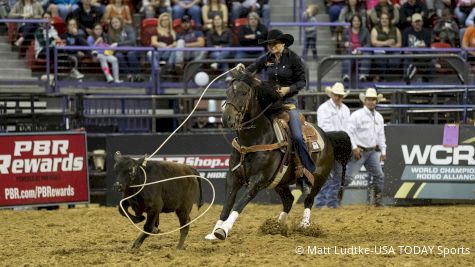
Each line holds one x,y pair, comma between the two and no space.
332,115
366,131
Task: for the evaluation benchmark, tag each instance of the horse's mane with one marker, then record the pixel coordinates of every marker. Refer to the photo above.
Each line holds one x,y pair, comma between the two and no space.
266,92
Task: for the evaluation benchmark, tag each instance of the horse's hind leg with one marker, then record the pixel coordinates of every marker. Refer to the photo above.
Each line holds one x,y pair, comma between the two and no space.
308,202
287,201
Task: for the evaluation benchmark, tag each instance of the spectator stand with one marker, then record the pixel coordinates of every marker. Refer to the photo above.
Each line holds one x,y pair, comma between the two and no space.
308,24
29,52
153,86
457,63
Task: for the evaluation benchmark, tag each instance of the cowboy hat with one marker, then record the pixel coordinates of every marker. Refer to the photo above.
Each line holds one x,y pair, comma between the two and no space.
275,35
371,92
337,89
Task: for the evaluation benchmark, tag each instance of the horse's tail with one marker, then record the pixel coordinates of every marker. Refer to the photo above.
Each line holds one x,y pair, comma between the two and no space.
342,151
200,201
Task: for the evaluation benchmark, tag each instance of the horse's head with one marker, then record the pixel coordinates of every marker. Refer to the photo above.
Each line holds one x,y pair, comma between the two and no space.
239,95
247,96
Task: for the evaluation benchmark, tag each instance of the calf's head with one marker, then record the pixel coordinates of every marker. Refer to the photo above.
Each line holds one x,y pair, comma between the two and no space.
127,171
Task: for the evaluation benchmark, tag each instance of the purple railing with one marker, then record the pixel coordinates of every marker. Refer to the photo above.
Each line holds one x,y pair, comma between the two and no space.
153,88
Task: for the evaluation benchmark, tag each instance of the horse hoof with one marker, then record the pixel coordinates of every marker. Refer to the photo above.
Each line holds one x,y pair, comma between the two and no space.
220,234
210,237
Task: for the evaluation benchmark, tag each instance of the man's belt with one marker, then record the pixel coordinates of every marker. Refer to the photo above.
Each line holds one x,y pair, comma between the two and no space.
368,149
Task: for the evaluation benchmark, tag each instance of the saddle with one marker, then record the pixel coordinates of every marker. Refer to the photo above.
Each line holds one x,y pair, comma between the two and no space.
311,137
281,128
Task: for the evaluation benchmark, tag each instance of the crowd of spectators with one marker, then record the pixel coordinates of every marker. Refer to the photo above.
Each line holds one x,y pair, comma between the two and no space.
179,24
401,24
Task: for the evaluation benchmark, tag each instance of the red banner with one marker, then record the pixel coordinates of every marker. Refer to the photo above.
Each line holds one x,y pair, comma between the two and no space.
43,169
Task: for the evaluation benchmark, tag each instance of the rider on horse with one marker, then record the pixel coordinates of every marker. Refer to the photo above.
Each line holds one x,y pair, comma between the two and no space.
286,69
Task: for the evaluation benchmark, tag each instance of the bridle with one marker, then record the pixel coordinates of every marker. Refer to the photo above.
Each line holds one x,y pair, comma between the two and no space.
241,126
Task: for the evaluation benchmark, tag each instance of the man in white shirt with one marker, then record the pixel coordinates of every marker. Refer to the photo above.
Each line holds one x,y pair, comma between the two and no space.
332,115
366,131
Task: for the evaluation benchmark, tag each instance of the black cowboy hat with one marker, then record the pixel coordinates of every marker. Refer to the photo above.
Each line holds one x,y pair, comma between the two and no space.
276,34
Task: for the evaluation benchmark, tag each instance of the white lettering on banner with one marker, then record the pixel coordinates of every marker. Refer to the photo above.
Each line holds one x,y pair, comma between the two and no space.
15,193
42,147
439,155
199,162
35,165
39,192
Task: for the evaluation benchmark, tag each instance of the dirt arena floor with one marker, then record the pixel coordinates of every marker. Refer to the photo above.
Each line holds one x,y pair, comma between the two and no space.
350,236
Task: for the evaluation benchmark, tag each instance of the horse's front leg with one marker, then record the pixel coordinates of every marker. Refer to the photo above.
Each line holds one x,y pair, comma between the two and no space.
287,201
222,231
233,185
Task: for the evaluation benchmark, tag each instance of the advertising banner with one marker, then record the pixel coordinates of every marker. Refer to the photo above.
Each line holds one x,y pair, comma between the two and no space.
421,165
43,169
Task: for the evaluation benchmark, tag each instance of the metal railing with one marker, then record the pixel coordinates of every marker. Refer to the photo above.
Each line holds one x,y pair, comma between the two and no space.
457,62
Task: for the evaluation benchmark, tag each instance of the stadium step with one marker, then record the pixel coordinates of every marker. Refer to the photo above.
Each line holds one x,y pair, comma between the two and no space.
17,72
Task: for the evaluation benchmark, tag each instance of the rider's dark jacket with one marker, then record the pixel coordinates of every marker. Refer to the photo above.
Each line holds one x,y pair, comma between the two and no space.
289,71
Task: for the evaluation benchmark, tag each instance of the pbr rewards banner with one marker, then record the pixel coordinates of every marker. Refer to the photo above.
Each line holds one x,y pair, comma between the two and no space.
420,166
43,169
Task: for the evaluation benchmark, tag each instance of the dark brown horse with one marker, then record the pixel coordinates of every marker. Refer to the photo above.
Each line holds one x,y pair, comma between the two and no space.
247,104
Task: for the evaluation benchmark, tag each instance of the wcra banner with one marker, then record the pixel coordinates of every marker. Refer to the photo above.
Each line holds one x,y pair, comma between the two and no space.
420,166
43,169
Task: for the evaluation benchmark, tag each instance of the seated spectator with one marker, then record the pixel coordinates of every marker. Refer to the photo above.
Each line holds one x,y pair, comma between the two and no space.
463,9
26,9
190,38
117,8
219,36
99,39
87,16
416,36
440,5
385,35
101,5
210,10
121,34
468,41
153,8
310,15
165,38
4,8
190,7
242,8
408,9
72,38
334,9
387,7
41,39
446,29
250,35
63,8
355,37
353,7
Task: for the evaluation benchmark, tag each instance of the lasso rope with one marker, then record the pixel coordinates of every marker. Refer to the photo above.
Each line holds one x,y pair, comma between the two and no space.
172,178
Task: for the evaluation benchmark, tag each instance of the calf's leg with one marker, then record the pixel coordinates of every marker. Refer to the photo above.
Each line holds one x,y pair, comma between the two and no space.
152,221
184,218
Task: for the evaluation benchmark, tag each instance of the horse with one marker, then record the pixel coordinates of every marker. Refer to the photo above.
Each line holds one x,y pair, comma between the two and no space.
257,155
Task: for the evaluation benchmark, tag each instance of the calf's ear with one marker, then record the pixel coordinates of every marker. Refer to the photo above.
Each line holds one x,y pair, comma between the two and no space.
141,160
117,156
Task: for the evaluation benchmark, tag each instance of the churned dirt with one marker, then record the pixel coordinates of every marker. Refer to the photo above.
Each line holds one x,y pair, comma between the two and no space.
350,236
